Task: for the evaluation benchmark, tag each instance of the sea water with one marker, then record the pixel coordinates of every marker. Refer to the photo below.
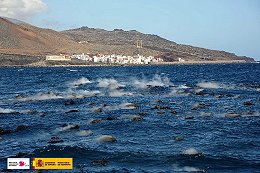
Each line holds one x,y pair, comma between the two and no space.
178,118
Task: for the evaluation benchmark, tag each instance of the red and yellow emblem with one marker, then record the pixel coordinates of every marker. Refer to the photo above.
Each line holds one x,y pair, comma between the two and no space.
52,163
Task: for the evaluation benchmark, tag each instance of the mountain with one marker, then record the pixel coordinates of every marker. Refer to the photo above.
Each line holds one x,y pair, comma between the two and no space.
124,42
22,38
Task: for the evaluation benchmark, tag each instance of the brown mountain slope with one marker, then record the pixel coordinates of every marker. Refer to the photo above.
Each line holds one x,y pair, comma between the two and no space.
26,39
22,38
123,42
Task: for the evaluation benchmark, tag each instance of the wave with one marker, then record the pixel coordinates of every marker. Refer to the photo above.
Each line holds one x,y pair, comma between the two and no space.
7,111
113,87
79,82
156,81
109,84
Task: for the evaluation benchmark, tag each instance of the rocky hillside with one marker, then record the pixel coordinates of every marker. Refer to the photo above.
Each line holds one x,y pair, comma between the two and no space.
17,37
22,38
124,42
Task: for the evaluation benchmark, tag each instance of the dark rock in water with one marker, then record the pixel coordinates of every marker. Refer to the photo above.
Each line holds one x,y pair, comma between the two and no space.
136,118
95,121
179,138
64,125
75,126
219,96
131,106
21,127
106,138
189,118
229,95
102,162
155,87
69,102
72,110
98,110
4,132
105,105
111,118
161,107
248,103
173,112
142,113
70,126
232,115
160,113
55,139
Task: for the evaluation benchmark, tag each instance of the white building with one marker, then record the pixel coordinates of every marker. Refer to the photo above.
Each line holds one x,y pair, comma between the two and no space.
181,60
57,58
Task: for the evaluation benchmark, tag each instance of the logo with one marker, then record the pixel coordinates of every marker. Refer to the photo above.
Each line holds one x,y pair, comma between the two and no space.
18,163
52,163
40,163
21,163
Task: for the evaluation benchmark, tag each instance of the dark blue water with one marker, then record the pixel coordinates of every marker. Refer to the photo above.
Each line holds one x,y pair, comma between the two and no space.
212,110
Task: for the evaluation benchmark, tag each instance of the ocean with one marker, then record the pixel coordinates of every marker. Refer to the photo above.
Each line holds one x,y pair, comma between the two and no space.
176,118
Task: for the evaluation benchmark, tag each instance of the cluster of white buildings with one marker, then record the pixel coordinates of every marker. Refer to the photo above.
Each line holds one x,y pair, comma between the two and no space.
117,59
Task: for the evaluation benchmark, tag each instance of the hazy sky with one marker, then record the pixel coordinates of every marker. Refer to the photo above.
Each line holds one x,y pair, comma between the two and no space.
230,25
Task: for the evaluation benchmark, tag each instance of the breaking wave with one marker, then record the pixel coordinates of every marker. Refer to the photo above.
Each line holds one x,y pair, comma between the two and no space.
79,82
156,81
109,84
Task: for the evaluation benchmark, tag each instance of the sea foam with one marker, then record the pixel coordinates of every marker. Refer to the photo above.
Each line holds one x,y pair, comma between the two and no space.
7,111
177,168
80,81
210,85
156,81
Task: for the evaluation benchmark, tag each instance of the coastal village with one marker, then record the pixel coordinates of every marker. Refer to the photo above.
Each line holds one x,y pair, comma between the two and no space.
106,59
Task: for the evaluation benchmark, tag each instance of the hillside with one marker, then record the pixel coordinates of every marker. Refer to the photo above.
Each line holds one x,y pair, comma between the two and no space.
124,42
22,38
17,37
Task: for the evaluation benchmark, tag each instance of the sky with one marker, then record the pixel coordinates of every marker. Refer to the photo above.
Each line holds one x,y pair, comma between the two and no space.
228,25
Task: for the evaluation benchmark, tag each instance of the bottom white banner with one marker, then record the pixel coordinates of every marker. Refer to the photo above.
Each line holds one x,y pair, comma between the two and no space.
18,163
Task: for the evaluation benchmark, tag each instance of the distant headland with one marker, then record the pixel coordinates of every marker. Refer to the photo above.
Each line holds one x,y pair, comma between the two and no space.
24,44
